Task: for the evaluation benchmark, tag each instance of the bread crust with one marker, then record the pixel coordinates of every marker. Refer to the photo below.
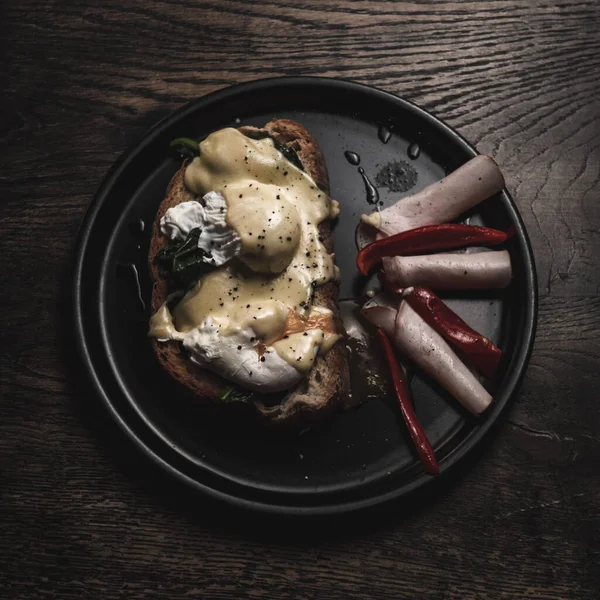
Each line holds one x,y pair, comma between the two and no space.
326,386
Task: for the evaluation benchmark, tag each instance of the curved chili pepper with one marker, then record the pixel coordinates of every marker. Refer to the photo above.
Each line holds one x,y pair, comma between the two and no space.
482,352
423,240
415,430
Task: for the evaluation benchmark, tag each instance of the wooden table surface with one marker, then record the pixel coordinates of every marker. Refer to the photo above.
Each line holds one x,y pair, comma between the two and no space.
80,82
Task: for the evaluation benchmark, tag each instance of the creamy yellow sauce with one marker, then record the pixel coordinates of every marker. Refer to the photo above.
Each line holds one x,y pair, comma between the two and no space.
374,219
298,349
275,208
161,325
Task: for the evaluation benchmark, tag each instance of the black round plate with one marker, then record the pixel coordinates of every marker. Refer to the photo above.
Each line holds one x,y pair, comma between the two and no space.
362,457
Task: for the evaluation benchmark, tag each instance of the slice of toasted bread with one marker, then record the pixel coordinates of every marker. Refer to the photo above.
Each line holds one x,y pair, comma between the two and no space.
327,383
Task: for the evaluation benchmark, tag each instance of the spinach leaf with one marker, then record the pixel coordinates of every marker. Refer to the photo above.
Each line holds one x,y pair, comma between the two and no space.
184,261
186,147
288,152
234,393
237,394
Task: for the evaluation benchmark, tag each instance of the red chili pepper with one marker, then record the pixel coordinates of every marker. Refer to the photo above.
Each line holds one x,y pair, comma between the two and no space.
482,352
422,444
423,240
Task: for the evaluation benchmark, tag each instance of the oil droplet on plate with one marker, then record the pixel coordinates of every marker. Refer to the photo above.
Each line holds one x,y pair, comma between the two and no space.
414,150
352,157
137,228
384,134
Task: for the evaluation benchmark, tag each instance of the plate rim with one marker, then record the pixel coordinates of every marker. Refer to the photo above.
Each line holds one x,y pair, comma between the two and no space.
457,455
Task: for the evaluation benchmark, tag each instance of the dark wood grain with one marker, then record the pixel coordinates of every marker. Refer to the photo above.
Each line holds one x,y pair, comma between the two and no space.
80,82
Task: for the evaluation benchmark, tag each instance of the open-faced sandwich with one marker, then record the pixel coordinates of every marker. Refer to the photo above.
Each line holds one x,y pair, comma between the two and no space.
245,297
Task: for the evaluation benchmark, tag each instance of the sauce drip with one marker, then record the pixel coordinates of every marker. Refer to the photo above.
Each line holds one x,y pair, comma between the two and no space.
369,375
126,271
138,287
372,193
